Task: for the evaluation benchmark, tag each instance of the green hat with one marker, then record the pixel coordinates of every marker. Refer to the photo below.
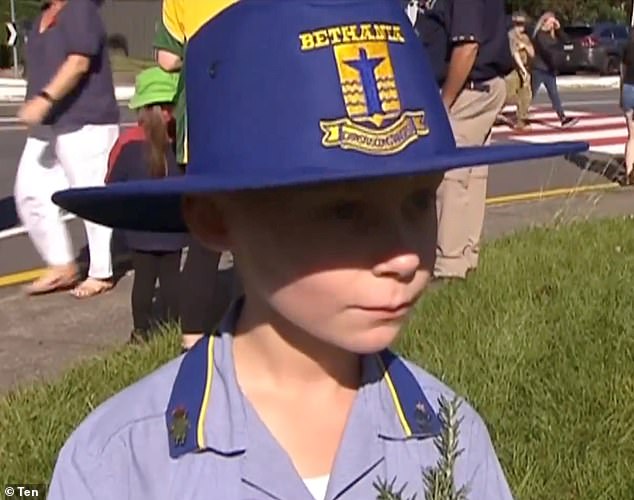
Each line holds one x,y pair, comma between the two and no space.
153,85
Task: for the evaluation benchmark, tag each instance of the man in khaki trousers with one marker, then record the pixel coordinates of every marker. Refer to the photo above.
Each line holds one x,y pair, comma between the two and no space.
518,81
471,78
461,197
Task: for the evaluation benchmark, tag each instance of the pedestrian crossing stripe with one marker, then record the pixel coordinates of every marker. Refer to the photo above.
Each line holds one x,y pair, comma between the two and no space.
605,133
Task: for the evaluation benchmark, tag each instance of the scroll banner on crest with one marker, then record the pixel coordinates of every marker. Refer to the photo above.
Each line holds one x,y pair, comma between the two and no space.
348,134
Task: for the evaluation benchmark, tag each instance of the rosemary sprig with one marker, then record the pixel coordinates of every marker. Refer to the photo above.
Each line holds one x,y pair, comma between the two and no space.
386,491
439,480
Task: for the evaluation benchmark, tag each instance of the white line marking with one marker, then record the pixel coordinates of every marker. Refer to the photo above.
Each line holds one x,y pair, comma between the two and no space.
611,149
613,123
540,112
16,231
602,121
597,102
575,136
11,128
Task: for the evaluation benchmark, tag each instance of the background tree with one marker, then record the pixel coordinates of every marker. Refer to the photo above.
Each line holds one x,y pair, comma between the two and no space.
25,9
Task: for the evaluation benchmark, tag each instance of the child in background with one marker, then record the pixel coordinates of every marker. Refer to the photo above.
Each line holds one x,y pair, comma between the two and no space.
145,152
317,141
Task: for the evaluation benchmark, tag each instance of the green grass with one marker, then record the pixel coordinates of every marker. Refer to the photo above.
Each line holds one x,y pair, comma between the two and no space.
35,421
541,340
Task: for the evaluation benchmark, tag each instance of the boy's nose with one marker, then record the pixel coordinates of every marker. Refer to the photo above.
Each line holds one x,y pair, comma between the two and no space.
403,248
401,267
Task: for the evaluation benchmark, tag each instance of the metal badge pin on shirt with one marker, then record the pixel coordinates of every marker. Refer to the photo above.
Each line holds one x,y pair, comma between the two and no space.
180,426
423,418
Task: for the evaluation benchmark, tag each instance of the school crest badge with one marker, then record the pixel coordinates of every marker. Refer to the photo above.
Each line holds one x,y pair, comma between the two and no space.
180,426
375,122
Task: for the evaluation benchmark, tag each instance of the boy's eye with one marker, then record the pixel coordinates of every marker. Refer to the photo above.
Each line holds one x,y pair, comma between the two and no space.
423,199
347,210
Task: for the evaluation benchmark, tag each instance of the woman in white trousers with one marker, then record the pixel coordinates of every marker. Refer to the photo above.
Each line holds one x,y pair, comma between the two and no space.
73,117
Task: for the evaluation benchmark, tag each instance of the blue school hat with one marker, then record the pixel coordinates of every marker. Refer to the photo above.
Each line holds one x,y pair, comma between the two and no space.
290,92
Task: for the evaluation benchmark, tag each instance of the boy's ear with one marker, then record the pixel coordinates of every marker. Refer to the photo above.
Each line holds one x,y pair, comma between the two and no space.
206,222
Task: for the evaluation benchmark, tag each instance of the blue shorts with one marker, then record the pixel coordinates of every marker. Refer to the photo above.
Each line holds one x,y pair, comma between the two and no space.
628,97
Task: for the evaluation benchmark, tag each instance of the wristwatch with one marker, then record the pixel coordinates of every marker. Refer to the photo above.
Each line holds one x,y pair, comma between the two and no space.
46,95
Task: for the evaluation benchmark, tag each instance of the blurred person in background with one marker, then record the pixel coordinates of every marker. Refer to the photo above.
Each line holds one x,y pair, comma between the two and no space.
73,121
627,105
468,47
547,40
518,81
146,152
209,278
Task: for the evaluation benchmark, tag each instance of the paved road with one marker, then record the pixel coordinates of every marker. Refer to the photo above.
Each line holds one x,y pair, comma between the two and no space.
598,109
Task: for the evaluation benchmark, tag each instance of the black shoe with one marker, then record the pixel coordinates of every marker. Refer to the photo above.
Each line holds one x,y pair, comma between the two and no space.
569,121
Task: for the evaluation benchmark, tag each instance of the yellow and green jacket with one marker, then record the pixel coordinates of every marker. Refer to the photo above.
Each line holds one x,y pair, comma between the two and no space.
180,20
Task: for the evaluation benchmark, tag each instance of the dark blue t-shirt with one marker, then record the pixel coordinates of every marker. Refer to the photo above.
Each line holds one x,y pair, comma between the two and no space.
78,29
445,23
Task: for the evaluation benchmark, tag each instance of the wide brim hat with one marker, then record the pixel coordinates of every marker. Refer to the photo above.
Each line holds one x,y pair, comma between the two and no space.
294,92
153,86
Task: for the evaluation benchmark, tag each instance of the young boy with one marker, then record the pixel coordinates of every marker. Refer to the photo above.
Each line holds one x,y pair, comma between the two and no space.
317,141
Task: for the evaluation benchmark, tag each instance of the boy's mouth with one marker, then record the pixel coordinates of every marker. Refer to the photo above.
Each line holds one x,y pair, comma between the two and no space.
399,307
395,309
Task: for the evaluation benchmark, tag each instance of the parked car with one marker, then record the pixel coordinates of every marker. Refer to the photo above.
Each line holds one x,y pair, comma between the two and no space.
594,47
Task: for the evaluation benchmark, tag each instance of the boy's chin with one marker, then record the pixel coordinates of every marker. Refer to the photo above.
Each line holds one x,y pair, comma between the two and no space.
372,341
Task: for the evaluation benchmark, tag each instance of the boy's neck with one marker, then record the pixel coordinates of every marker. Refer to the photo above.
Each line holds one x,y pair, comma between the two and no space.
279,353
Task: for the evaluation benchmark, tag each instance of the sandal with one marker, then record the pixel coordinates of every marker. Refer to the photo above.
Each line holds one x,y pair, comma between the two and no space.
54,280
521,125
91,287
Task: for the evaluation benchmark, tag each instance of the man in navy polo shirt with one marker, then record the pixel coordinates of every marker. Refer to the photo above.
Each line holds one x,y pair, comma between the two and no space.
468,47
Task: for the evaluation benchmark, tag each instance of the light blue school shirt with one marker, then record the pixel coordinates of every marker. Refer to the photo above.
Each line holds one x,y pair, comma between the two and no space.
186,432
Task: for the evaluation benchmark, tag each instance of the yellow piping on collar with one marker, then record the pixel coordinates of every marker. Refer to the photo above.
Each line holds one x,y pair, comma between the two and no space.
205,404
395,398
